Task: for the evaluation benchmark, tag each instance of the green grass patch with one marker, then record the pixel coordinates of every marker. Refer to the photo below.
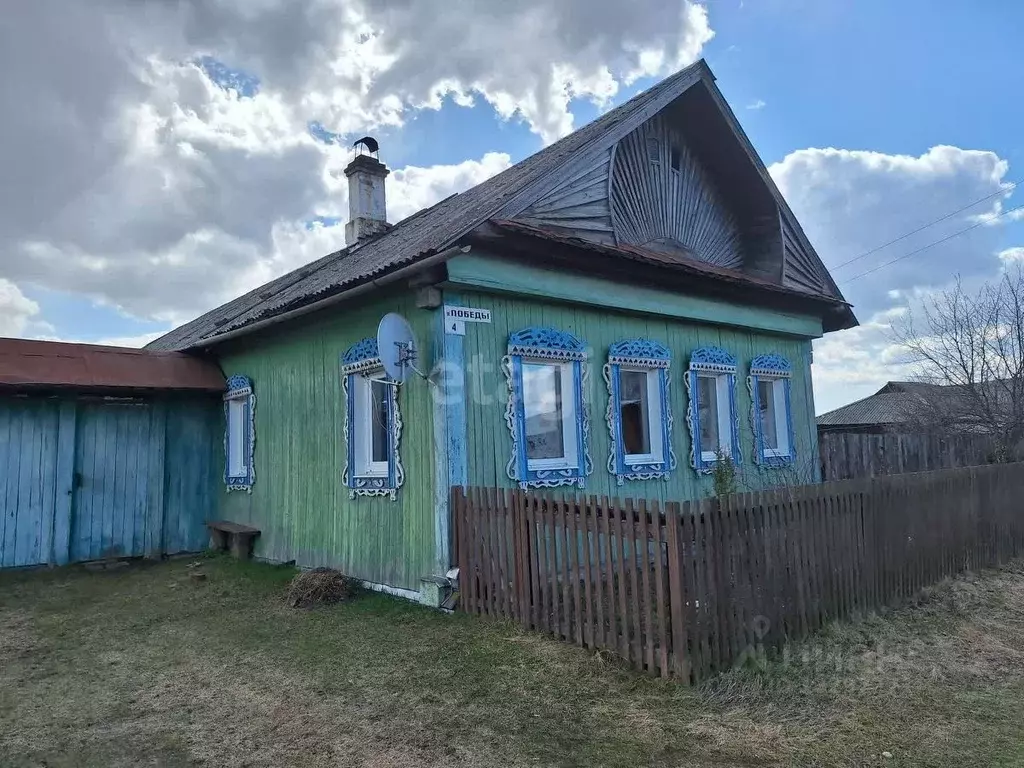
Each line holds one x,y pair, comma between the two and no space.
145,666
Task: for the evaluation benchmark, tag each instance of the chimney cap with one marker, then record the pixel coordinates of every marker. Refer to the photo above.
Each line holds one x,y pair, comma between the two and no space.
371,144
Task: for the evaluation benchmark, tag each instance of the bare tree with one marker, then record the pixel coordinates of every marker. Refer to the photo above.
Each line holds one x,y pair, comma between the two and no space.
968,352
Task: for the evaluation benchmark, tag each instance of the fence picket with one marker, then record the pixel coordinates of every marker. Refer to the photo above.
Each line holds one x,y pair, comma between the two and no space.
660,606
687,599
575,572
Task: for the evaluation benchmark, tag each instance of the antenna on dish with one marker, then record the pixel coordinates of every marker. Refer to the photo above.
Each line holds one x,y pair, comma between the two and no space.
397,348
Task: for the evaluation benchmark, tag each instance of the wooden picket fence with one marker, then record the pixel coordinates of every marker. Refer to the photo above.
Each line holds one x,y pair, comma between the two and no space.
690,589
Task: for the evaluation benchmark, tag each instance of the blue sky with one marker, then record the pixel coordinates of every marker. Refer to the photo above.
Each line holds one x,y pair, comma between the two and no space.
255,190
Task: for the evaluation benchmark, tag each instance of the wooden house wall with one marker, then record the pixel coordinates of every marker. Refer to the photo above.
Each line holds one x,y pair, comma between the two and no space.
84,478
298,499
489,443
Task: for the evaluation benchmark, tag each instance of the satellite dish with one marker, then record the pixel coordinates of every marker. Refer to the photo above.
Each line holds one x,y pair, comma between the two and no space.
396,346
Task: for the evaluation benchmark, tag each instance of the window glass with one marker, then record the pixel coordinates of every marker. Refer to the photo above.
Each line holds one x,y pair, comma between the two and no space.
635,412
236,438
769,417
707,399
379,426
653,150
542,406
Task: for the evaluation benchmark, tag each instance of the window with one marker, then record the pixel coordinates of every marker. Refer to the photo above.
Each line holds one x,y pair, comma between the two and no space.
546,414
550,421
771,417
372,419
653,150
639,416
239,434
711,415
675,157
372,424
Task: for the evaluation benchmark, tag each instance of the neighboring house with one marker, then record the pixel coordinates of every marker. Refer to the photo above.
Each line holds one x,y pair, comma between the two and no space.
105,452
894,408
648,302
917,407
906,426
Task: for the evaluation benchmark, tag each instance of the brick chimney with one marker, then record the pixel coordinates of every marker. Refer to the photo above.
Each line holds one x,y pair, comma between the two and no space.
367,210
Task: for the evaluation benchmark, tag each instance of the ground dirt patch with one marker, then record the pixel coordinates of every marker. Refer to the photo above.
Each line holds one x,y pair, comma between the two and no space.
146,667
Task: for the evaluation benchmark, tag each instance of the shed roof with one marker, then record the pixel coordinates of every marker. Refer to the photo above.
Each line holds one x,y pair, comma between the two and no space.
27,364
434,229
879,409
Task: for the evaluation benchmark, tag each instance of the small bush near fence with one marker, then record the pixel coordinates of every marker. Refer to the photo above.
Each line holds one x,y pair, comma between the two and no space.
695,587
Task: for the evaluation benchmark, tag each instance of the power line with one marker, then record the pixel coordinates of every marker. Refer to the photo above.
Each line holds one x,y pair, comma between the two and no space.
1001,191
932,245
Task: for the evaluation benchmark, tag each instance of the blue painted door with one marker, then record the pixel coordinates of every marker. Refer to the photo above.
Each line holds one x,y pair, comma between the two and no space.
111,482
28,453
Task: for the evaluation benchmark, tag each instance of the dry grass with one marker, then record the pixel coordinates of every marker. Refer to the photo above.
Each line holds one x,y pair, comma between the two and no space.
146,667
320,586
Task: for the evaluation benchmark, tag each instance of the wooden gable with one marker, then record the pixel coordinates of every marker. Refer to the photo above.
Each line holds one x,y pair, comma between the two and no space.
684,180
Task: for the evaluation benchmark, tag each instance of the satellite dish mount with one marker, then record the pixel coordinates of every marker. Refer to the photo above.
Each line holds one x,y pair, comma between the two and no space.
397,348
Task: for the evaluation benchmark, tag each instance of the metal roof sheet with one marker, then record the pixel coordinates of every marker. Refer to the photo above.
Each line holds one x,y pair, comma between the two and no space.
28,364
432,230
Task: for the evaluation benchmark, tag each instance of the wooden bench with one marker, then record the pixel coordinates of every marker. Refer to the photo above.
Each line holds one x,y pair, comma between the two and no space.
238,538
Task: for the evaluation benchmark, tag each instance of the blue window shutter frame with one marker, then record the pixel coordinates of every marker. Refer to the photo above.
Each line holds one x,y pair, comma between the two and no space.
646,355
362,359
776,368
713,361
540,343
240,388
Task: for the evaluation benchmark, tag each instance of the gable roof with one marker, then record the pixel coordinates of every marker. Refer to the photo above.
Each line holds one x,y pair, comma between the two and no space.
27,364
880,409
432,230
903,402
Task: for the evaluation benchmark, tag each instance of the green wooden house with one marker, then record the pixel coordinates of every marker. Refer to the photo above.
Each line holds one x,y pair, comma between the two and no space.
612,315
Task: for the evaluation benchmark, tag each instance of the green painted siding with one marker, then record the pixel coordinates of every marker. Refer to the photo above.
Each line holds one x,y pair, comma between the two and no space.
480,271
489,442
298,500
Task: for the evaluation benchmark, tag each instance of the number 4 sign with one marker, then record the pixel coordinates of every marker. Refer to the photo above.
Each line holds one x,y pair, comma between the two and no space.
455,318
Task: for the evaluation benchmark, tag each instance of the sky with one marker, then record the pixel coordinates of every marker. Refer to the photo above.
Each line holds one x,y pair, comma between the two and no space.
160,157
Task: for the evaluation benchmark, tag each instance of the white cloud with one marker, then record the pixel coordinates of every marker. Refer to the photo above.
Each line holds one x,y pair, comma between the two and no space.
133,179
851,202
17,311
853,364
758,104
1009,255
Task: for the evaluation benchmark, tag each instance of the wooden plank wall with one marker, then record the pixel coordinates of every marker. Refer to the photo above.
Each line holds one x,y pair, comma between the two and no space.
846,455
84,479
691,589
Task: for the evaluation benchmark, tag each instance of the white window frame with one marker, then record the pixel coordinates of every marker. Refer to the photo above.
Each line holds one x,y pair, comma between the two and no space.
360,367
781,421
570,457
723,416
652,380
237,437
775,369
240,402
720,365
364,465
541,345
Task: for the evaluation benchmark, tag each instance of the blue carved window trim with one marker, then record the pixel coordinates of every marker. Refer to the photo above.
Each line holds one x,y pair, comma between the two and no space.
240,398
359,365
777,369
653,359
716,362
546,345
